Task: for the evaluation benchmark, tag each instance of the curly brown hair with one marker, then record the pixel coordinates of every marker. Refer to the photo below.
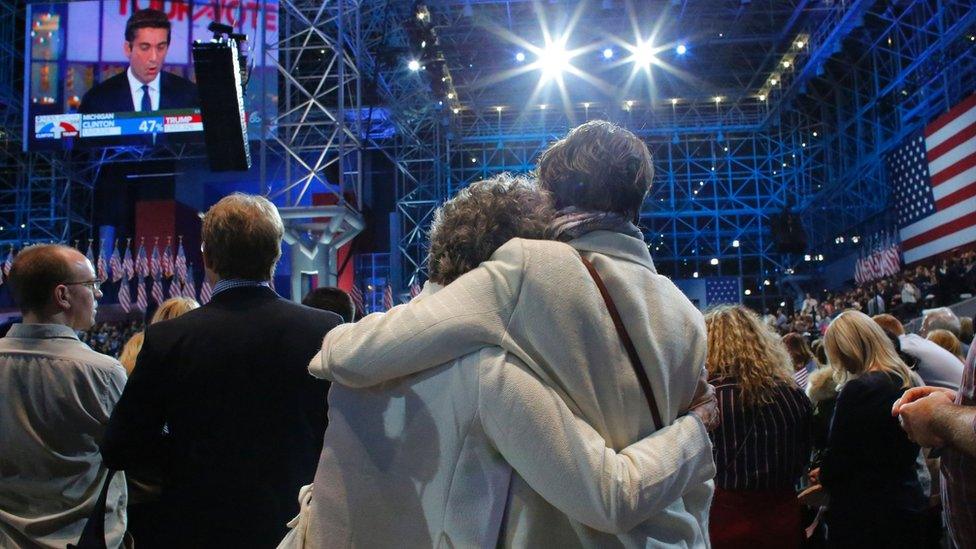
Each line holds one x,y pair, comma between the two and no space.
799,350
469,228
741,346
598,166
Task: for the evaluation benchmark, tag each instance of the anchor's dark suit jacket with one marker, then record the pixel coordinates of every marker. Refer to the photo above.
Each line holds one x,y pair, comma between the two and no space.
114,94
245,419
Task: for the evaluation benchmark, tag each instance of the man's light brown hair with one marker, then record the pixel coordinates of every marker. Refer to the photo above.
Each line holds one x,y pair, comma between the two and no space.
599,166
242,236
469,228
35,272
889,324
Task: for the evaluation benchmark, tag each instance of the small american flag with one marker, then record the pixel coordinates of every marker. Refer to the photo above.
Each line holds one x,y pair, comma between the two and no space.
174,289
357,299
934,181
142,261
167,261
180,264
721,289
125,300
102,264
414,290
206,291
157,291
9,261
155,264
388,297
189,286
127,264
115,263
141,301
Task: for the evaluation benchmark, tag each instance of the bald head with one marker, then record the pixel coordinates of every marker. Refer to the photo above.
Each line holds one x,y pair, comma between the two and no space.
54,283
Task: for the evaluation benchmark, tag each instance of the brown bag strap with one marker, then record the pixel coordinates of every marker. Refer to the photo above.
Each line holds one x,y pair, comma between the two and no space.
635,360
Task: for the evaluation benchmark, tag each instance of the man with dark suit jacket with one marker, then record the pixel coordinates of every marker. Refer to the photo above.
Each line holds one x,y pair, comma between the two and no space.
144,85
228,384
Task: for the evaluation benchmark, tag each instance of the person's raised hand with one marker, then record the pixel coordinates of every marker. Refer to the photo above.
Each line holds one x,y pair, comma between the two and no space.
916,393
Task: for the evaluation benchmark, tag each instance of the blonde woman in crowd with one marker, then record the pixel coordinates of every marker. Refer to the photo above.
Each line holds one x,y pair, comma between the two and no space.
868,467
171,308
762,445
948,341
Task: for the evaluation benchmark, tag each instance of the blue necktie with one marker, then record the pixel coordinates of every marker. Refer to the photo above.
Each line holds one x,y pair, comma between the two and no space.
146,102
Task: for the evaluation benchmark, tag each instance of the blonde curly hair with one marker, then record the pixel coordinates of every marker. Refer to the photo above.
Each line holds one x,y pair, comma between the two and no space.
740,345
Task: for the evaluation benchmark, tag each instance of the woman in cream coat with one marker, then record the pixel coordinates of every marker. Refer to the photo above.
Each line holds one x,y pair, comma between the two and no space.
427,460
536,300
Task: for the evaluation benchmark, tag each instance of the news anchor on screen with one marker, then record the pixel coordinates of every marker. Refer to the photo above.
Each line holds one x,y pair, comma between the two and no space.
144,86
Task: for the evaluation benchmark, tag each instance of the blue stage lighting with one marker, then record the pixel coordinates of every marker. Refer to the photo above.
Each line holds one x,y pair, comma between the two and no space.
608,53
520,56
681,49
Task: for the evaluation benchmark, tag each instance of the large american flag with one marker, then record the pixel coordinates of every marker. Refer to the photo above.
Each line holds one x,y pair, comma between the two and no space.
934,181
721,289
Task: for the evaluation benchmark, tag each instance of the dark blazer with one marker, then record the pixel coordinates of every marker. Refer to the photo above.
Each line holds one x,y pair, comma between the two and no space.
869,468
114,95
245,420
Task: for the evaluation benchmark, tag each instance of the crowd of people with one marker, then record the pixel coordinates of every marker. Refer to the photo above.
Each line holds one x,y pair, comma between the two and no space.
109,337
903,295
546,388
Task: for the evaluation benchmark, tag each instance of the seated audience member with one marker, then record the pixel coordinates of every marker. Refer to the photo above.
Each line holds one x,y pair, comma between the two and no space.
934,365
599,176
329,298
229,382
448,485
942,318
802,361
869,466
762,445
171,308
56,395
949,342
937,417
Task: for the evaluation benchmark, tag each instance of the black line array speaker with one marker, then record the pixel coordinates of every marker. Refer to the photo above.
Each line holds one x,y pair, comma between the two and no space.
788,233
218,75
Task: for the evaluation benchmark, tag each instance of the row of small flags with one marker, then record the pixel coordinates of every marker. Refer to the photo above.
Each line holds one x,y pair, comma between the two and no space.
359,298
126,267
879,257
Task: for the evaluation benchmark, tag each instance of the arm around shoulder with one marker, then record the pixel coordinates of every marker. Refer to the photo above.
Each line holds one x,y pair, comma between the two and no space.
465,315
570,464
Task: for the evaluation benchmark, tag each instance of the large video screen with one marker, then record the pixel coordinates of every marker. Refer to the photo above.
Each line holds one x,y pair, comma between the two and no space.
105,73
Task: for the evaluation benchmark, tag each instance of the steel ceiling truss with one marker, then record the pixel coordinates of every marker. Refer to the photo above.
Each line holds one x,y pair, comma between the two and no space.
44,197
907,64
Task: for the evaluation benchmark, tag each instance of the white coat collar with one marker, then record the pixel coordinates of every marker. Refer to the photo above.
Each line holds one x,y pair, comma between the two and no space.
617,245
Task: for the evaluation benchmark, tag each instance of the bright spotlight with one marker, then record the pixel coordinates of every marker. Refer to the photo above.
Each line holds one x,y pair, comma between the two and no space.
681,49
714,261
694,274
608,53
748,291
644,54
718,98
553,60
414,65
520,56
762,97
799,45
735,243
674,100
772,81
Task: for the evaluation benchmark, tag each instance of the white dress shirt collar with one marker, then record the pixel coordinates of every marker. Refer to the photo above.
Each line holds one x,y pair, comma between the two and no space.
135,88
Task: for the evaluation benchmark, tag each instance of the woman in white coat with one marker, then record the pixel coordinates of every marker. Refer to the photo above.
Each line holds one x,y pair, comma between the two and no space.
536,300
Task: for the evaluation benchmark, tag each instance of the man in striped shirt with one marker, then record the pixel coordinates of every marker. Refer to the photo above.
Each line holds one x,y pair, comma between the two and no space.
942,418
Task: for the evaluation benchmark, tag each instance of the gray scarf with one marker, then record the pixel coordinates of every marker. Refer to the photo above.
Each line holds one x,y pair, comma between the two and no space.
572,223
